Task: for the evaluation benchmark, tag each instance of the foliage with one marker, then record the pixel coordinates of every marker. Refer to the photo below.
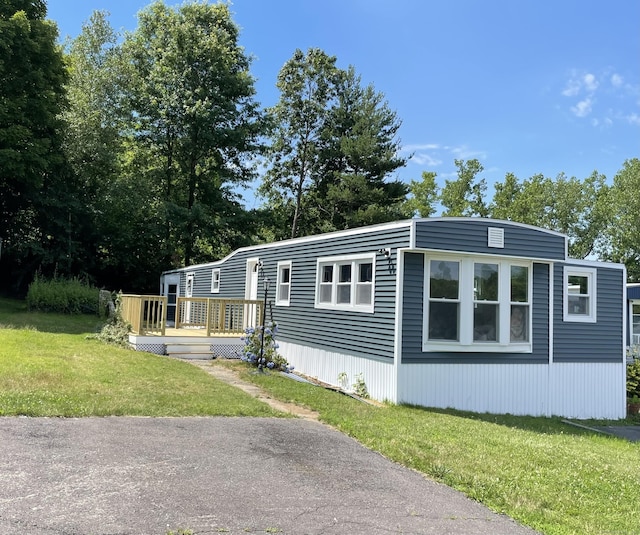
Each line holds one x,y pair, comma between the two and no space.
464,196
424,195
577,208
624,230
115,330
333,148
360,387
633,379
65,296
36,196
261,350
195,124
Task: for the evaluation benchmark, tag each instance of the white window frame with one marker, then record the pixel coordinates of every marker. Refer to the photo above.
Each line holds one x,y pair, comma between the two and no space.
592,277
465,301
354,261
280,283
215,280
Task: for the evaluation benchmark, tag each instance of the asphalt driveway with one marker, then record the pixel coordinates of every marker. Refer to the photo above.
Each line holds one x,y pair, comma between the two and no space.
148,476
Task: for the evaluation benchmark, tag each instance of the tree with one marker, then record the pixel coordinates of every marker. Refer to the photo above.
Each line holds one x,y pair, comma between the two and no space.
31,96
424,195
567,205
334,146
624,230
464,197
193,111
307,84
358,151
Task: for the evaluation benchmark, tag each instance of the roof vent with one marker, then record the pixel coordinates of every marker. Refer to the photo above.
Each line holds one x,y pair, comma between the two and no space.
495,237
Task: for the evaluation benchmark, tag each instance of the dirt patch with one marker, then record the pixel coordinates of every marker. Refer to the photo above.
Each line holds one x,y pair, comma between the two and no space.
228,375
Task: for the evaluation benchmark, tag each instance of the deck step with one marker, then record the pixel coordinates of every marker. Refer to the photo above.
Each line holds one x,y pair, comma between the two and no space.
190,350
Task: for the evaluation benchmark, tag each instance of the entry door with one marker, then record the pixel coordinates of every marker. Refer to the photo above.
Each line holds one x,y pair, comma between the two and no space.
251,292
170,291
188,292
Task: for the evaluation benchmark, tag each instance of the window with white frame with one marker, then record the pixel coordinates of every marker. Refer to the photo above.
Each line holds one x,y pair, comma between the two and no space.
346,283
580,294
215,281
477,304
283,286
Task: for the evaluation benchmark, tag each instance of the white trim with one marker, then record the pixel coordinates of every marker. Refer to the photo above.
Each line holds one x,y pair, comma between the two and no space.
215,280
591,315
336,261
465,300
281,266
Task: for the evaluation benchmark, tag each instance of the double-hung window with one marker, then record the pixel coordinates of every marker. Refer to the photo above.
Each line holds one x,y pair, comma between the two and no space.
215,281
283,286
477,304
579,294
346,283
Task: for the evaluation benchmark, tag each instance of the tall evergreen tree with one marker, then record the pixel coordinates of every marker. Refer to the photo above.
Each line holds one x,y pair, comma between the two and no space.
334,147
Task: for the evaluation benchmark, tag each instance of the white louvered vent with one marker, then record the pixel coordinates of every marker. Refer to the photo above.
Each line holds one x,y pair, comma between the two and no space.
495,237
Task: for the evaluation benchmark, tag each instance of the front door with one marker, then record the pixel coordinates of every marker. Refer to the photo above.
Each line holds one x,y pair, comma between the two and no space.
188,292
170,289
251,292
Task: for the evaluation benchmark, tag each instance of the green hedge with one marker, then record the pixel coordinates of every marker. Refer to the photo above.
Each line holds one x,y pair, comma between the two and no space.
66,296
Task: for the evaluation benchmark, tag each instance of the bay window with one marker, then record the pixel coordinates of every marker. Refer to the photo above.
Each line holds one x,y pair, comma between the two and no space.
476,304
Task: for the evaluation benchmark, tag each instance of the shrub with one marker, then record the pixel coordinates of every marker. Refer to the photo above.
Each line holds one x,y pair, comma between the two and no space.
633,379
263,353
66,296
116,330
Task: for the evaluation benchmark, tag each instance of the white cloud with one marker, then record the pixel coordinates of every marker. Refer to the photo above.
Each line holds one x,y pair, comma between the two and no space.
582,108
633,118
590,82
425,160
572,89
616,80
416,148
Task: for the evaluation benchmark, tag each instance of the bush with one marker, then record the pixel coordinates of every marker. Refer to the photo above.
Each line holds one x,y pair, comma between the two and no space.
633,380
263,353
115,331
66,296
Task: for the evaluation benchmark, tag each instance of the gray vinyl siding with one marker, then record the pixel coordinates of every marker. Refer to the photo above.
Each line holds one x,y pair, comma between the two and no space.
471,236
351,332
591,342
413,317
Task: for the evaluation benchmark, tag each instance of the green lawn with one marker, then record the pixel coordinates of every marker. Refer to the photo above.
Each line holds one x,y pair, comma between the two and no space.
556,478
49,367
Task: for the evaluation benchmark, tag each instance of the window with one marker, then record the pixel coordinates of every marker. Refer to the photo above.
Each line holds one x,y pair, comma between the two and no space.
215,281
346,283
635,323
283,286
579,294
477,305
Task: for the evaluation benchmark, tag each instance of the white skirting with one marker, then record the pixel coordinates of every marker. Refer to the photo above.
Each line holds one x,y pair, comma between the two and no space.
326,366
570,390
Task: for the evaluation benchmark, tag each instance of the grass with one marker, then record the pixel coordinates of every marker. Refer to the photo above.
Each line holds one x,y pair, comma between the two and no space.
49,367
553,477
556,478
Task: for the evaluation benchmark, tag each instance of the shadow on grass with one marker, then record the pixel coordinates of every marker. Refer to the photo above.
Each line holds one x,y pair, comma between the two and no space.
15,315
537,424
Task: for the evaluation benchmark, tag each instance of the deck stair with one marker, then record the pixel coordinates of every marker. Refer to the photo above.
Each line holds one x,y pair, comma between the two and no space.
194,349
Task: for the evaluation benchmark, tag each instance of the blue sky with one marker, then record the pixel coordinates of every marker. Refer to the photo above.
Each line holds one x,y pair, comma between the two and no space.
524,86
